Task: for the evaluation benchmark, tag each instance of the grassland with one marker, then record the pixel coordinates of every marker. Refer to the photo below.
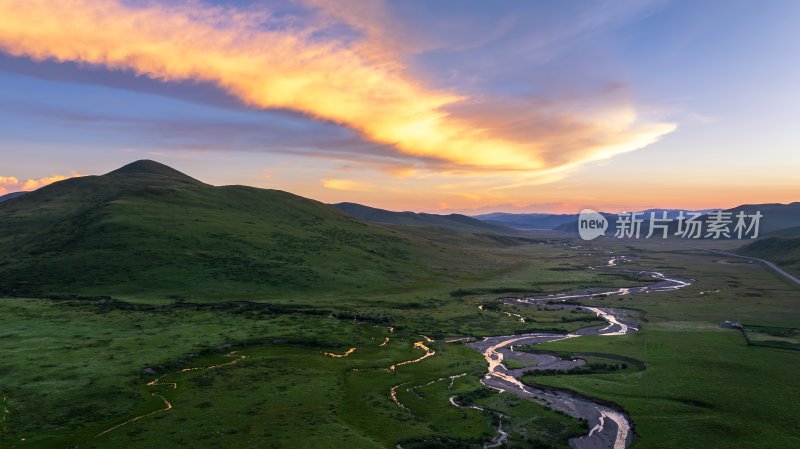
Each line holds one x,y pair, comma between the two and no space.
703,386
88,364
83,362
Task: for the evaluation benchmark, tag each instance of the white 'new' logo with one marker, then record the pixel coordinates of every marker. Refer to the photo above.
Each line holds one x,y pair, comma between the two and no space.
591,224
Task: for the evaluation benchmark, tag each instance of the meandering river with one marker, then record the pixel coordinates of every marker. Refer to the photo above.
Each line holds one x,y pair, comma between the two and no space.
608,427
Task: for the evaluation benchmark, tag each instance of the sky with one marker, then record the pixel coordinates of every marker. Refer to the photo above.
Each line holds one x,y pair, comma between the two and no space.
437,105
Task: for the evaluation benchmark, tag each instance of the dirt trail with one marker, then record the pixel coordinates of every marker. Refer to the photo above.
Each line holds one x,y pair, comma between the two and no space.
174,385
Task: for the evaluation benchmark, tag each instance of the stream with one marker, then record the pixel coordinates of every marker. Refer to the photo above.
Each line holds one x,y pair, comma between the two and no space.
607,427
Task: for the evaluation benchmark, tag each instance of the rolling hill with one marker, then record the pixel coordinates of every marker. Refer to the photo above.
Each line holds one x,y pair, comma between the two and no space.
782,251
11,195
147,230
786,232
451,222
781,247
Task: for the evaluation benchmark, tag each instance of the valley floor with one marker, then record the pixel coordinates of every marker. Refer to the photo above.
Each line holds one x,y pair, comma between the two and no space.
391,368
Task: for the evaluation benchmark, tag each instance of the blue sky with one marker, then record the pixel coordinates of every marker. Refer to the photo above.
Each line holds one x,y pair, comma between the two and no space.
437,106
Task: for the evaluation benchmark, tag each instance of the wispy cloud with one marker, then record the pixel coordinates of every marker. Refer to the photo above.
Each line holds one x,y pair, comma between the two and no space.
358,79
345,184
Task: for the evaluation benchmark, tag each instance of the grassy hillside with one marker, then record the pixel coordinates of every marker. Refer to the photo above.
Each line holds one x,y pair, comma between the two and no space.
9,196
451,222
783,251
786,233
148,230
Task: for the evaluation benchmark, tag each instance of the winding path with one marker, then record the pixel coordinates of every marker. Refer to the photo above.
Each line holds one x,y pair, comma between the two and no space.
174,385
608,427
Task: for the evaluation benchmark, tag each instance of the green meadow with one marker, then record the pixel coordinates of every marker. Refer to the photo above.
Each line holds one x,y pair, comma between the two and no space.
271,384
703,386
239,357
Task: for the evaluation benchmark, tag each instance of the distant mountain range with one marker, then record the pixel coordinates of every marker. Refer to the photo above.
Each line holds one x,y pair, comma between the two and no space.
452,222
776,218
561,222
527,222
779,230
670,214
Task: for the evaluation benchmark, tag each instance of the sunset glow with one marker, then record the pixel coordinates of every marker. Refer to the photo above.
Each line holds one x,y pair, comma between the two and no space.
365,105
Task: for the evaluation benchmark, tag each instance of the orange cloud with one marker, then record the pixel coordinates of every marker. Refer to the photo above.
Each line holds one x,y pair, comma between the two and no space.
33,184
7,184
12,184
354,84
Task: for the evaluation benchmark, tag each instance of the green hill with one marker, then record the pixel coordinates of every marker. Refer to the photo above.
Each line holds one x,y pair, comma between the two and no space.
12,195
781,241
147,230
451,222
777,216
786,232
782,251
